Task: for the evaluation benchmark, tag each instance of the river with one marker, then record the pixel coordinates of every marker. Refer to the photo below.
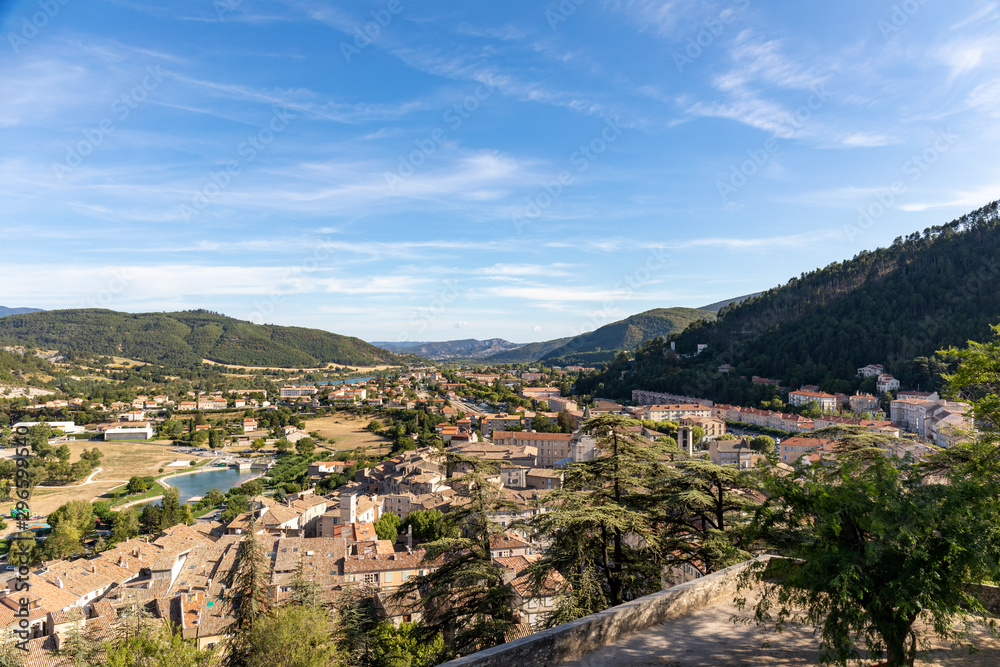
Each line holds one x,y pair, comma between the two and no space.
331,383
200,483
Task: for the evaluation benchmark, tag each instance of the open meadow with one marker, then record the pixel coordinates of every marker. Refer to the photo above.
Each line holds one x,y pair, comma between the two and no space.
348,433
121,460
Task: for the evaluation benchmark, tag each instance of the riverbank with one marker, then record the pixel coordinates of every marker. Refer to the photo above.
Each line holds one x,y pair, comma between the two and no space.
202,467
141,501
221,478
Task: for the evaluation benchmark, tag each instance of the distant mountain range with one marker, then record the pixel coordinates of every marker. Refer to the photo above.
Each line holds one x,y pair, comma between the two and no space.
187,338
468,348
593,347
4,311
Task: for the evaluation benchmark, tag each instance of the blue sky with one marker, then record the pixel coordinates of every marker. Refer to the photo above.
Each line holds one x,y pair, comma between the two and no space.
514,169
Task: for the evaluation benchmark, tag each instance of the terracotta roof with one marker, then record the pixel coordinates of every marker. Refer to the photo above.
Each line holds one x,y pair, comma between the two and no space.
814,394
527,435
545,472
507,541
279,516
516,564
383,562
553,584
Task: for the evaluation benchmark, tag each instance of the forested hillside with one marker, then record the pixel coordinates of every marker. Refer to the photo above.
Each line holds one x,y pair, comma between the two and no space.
186,338
628,333
529,353
15,367
895,305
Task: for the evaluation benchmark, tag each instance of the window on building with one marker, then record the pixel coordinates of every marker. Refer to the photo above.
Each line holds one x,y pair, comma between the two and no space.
371,578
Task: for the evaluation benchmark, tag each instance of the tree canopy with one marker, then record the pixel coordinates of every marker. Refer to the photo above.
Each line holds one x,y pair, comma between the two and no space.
874,543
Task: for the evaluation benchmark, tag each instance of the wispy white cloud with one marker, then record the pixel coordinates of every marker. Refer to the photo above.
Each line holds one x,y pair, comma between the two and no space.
508,32
306,101
783,241
985,98
657,16
561,294
961,56
759,68
551,270
86,284
986,13
964,200
759,61
867,140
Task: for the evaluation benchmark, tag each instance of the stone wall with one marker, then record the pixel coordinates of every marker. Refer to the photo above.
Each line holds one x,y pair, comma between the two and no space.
988,595
571,640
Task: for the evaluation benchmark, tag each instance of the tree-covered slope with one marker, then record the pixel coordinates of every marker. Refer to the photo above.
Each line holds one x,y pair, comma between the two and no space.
895,306
601,344
526,354
186,338
628,333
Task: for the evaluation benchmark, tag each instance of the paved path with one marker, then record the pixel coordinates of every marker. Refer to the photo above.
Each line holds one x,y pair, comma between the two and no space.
709,637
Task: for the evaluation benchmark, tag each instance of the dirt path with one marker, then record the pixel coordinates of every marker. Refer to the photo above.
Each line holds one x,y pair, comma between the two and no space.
89,480
141,501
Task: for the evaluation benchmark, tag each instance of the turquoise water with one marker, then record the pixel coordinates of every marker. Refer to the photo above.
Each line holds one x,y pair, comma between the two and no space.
336,382
200,483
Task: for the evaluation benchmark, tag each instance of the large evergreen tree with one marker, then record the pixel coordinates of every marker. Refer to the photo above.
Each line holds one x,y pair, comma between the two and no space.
464,598
704,511
602,524
246,597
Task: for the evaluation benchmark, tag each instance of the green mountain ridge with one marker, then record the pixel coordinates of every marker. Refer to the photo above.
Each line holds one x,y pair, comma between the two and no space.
525,354
719,305
896,306
186,338
601,344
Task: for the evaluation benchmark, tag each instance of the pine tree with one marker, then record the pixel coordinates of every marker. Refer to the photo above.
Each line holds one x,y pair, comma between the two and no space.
601,524
171,503
465,599
358,620
705,509
246,595
305,591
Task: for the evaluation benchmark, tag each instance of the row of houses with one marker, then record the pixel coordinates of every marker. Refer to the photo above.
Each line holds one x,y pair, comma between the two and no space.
673,412
763,418
644,397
